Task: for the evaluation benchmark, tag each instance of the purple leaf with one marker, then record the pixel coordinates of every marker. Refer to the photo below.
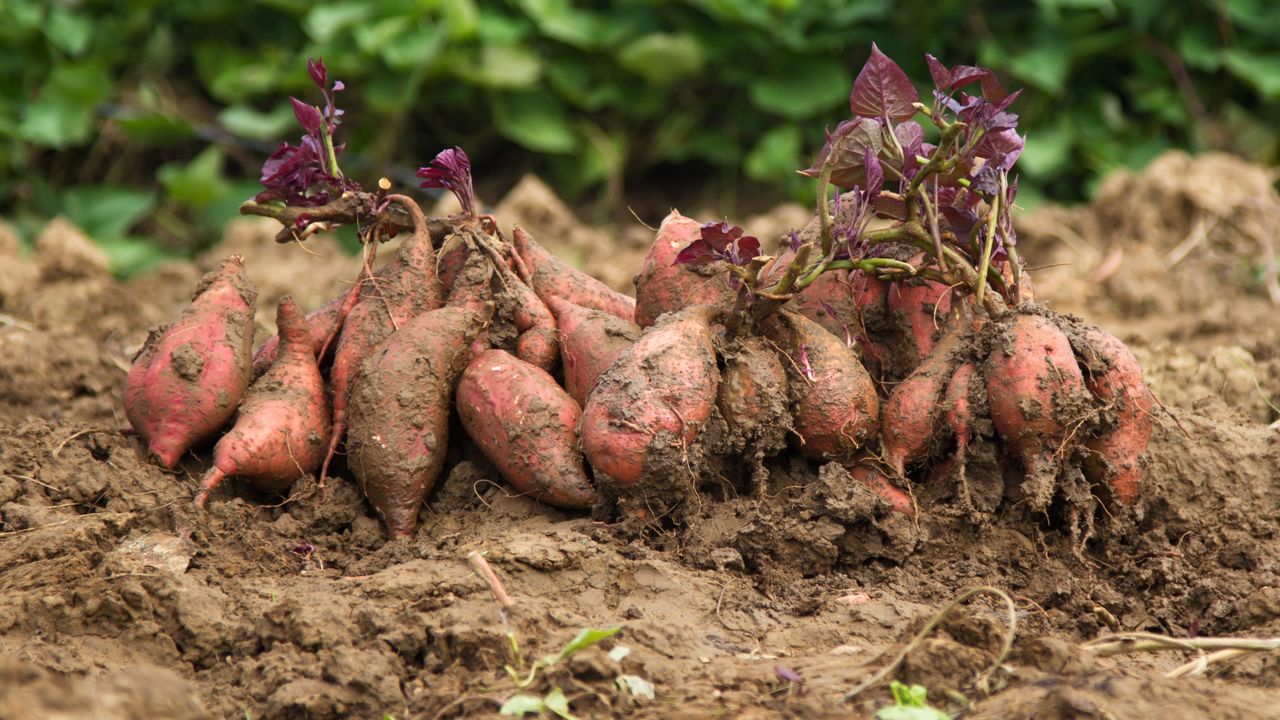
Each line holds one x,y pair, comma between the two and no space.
744,250
794,241
1001,148
849,143
991,88
319,74
697,253
724,242
882,89
962,75
911,137
308,116
941,75
718,235
451,170
875,173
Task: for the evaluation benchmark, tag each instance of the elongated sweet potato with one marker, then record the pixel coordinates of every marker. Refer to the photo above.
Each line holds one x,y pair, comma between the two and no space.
1117,382
909,422
537,343
663,286
188,378
924,306
959,409
282,425
406,288
833,399
659,393
875,481
1036,393
549,276
590,341
321,324
754,397
399,412
527,426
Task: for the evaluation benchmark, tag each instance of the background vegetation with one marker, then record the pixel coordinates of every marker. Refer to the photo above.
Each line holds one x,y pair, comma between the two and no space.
150,118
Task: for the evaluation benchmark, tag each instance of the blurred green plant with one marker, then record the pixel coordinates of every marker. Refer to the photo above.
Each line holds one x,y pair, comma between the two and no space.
158,113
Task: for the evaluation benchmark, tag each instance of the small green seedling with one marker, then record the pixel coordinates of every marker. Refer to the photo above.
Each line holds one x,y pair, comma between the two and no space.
583,640
910,702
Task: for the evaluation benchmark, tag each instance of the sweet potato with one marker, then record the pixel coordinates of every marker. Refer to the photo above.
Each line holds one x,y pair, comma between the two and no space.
527,426
909,422
406,288
282,425
187,379
875,481
549,276
923,306
754,396
1036,393
1117,382
837,301
590,341
399,412
959,410
536,343
663,286
659,393
321,324
833,399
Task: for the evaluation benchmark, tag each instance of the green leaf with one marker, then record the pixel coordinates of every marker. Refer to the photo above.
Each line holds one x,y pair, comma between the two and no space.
503,67
910,703
535,120
1045,62
558,20
68,31
585,639
56,122
131,255
105,211
521,705
556,702
418,48
371,37
775,155
1259,70
249,122
663,58
802,87
324,22
1048,150
199,183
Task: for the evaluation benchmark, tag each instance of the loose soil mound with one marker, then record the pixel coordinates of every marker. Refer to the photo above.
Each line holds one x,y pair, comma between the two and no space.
119,600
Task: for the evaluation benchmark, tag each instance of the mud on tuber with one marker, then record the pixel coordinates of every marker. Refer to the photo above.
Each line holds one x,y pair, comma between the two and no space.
891,336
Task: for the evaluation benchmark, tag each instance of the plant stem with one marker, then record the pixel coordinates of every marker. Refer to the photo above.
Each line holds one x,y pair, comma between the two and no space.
987,248
913,233
824,208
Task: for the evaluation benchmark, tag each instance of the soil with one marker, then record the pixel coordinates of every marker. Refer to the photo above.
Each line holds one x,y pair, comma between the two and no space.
120,600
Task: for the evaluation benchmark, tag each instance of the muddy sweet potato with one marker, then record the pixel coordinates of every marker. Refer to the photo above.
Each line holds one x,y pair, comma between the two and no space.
406,288
909,422
833,400
874,480
527,426
321,324
754,397
1115,380
658,395
1036,394
399,412
922,308
549,276
590,341
663,286
281,427
537,342
958,409
187,379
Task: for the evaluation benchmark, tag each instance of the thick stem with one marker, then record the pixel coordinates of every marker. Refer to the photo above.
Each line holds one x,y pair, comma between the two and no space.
350,208
824,207
913,233
987,249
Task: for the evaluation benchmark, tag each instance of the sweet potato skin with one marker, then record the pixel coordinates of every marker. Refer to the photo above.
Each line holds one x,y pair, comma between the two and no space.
874,480
754,395
527,426
833,400
187,379
537,343
1033,385
590,341
321,323
550,277
924,306
662,390
909,422
958,408
1118,384
399,412
282,425
662,286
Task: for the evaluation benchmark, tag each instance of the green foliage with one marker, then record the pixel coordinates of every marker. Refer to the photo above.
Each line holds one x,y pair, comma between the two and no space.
591,94
910,702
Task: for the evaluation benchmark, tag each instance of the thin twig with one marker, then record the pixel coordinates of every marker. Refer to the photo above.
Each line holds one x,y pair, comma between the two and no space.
482,568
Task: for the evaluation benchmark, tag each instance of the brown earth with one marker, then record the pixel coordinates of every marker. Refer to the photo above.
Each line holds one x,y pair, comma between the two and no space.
118,600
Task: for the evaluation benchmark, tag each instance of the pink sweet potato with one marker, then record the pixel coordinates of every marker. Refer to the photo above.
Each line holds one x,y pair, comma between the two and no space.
321,324
659,393
550,277
875,481
187,379
406,288
663,286
399,412
1036,393
1127,405
959,410
282,425
834,403
590,341
909,422
754,397
837,301
536,343
923,305
527,426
